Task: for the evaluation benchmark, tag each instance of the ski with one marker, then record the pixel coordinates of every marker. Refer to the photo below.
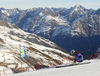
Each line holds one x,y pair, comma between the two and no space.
72,65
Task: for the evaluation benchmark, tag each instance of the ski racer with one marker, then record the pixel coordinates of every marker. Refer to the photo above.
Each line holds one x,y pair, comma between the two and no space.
77,55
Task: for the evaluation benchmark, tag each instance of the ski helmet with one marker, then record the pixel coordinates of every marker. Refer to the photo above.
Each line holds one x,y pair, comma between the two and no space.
72,52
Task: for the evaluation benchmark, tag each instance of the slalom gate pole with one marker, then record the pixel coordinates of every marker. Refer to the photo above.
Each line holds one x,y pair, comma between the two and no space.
84,51
68,58
36,65
26,59
27,64
20,57
4,71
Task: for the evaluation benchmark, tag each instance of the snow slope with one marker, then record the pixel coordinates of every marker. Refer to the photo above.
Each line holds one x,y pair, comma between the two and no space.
92,69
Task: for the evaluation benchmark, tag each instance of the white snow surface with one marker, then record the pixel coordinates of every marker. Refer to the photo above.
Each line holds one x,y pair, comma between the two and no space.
91,69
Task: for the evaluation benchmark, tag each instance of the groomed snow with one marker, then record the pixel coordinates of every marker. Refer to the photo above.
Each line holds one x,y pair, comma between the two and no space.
92,69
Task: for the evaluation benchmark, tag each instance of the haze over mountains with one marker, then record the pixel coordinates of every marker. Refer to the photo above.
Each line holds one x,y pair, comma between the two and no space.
74,28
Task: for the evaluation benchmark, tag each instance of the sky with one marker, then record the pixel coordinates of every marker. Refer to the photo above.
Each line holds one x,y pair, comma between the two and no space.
28,4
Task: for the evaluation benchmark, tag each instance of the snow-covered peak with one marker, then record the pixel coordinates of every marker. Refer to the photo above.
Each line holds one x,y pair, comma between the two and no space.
5,12
9,12
77,7
13,11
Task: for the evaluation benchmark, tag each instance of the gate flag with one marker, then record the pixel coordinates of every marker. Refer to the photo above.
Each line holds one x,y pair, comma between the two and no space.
23,53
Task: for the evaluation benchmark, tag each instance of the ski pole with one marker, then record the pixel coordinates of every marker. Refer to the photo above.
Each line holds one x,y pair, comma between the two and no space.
84,51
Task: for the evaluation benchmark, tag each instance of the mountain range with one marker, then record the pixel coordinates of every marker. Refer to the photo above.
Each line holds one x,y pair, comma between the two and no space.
74,28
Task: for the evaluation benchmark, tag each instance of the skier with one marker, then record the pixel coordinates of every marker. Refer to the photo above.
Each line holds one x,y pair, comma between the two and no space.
77,55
